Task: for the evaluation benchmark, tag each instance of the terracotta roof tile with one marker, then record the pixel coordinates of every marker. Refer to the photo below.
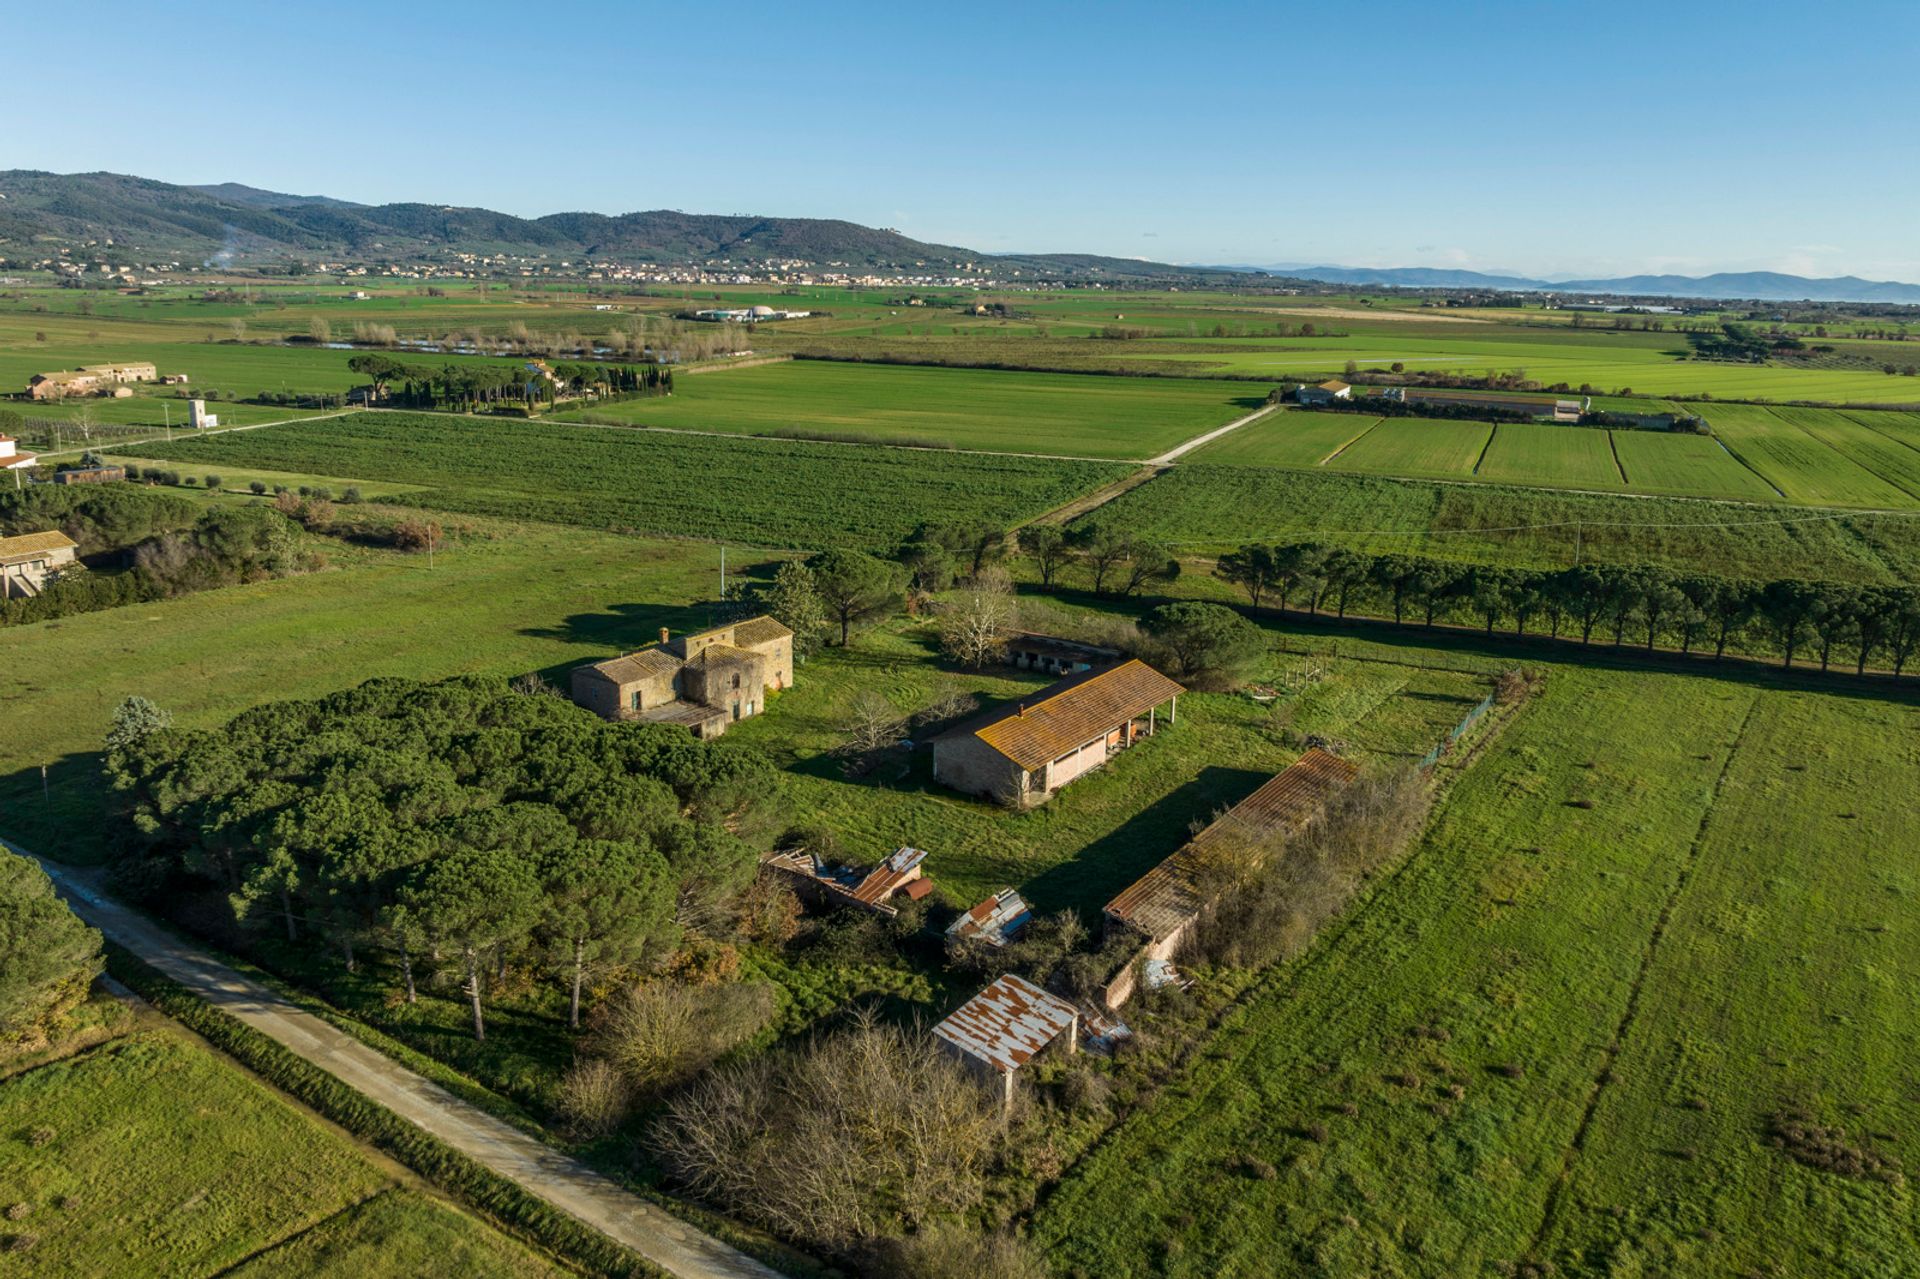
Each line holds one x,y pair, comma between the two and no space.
1073,712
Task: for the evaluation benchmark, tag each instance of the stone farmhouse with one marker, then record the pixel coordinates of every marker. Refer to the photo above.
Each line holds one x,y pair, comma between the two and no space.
702,682
1021,754
1325,393
93,379
26,562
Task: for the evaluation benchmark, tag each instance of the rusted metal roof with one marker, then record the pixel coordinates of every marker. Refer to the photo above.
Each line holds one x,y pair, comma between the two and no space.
1067,715
995,921
1006,1024
884,880
1169,896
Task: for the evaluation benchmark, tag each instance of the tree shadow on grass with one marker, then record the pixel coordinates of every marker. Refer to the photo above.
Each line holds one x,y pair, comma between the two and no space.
64,816
1094,875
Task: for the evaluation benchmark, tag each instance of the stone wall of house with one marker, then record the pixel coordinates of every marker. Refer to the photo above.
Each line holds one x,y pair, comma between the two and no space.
968,764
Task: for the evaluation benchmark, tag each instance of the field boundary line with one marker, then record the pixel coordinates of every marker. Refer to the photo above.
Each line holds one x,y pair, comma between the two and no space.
543,1171
1631,1011
1855,417
1613,447
311,1226
1758,474
1486,446
1362,434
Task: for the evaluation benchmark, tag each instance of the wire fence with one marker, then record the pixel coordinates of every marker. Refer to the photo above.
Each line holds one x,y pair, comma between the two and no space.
1445,744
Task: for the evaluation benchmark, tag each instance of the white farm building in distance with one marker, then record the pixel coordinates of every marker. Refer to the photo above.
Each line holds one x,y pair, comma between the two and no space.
748,315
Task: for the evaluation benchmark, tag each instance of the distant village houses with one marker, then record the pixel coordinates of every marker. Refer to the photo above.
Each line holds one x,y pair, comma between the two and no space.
702,682
1022,753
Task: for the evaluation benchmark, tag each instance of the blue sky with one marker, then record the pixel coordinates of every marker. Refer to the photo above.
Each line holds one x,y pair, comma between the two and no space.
1542,138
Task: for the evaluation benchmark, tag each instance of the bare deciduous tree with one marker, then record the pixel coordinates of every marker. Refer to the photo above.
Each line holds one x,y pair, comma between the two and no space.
855,1135
872,724
975,626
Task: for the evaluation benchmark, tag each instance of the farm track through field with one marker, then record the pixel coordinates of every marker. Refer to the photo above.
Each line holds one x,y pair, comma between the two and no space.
1093,501
1178,451
542,1171
1624,1028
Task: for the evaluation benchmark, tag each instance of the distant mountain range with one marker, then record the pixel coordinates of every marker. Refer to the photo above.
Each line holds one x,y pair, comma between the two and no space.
1765,286
228,223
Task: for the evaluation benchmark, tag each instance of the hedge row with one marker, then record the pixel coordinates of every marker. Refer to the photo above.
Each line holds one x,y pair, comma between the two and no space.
500,1199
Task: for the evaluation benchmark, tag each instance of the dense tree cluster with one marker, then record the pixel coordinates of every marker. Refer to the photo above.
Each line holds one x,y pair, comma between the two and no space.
1642,604
170,547
476,385
48,958
458,820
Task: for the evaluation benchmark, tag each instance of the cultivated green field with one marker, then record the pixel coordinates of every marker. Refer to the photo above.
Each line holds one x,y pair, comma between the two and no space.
1287,439
1686,466
1807,468
166,1159
1416,446
1077,415
1816,457
1201,509
1616,957
1577,457
761,492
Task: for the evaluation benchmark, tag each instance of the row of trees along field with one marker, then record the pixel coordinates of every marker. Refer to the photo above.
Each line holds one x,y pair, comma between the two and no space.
1867,624
457,823
475,386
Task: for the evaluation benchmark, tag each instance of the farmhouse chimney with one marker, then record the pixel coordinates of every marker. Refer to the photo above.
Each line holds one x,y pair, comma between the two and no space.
1023,709
663,634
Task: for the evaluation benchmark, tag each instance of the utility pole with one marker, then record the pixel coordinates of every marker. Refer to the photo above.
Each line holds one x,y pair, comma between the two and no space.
1576,543
723,572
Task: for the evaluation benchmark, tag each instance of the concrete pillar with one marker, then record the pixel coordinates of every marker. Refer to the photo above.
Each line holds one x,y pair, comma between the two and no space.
1173,709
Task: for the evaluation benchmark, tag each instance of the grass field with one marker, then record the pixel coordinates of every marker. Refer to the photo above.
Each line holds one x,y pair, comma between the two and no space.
166,1159
1078,415
761,492
1614,957
1417,446
1202,508
1686,466
1896,462
1807,468
1287,439
1574,456
1817,457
